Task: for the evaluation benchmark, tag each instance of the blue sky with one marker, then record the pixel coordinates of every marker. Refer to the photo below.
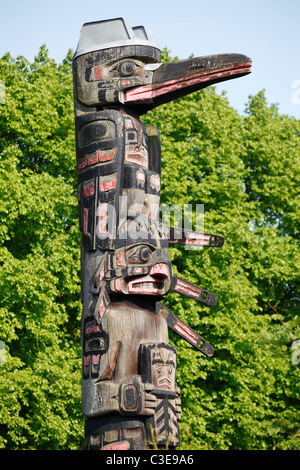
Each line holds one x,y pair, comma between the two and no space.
267,31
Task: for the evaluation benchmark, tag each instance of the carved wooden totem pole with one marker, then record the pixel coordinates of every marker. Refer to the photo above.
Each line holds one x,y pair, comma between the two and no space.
129,369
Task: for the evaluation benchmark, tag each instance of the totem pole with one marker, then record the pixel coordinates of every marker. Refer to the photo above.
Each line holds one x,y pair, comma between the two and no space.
129,390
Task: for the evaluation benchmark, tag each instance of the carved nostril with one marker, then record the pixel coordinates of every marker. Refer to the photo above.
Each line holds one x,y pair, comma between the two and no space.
160,269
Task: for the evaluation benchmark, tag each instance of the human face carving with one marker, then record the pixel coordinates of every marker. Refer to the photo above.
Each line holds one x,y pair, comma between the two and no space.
148,270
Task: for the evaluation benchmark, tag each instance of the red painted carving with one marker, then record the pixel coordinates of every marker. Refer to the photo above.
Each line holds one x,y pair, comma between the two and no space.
85,222
121,446
137,158
89,191
98,72
107,185
95,158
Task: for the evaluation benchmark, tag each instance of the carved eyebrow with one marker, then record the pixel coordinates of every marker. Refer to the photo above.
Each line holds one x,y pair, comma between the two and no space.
158,361
171,362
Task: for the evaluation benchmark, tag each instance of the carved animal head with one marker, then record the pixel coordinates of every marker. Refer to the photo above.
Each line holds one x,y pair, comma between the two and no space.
121,65
141,268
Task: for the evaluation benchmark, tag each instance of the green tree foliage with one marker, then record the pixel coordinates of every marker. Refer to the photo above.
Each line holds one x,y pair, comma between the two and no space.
39,259
245,170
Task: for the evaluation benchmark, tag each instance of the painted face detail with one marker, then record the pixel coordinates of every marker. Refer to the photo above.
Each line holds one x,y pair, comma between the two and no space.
138,254
116,75
158,364
107,76
95,344
153,284
148,269
164,368
122,68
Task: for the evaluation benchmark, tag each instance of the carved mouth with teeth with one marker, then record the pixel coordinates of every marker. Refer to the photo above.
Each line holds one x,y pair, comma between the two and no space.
157,282
147,285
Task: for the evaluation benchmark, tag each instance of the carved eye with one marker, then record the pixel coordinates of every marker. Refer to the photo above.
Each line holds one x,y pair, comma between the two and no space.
140,255
126,68
145,254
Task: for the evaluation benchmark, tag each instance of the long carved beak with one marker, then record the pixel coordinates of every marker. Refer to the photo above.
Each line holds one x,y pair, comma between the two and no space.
173,80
